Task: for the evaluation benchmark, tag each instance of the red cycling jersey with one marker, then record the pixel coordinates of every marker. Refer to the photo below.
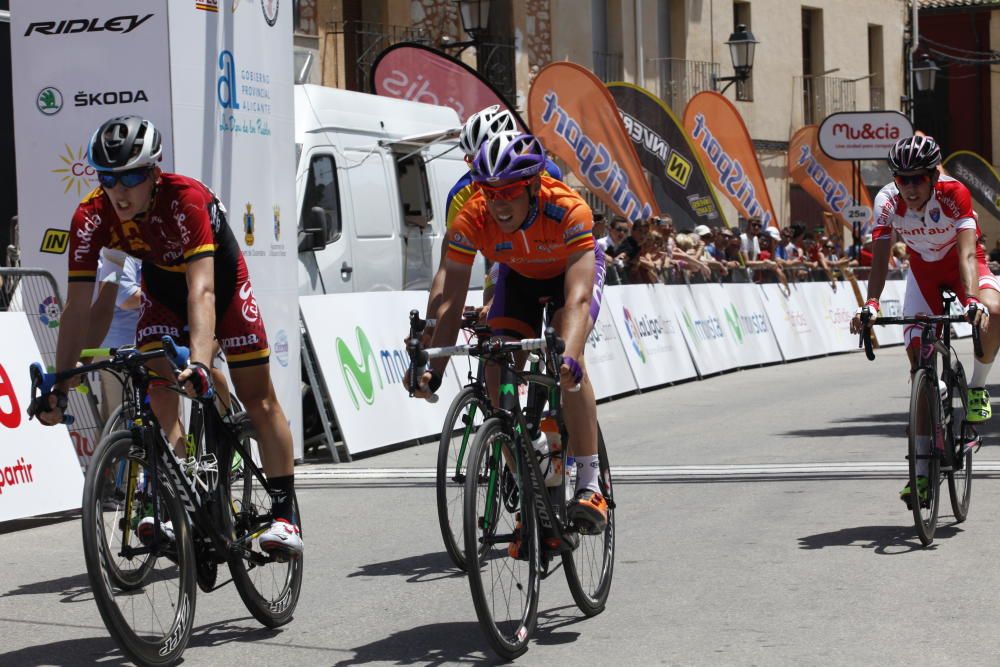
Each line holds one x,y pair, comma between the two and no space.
559,225
930,233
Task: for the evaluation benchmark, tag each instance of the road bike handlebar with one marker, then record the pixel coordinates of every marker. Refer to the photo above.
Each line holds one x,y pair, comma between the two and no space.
865,338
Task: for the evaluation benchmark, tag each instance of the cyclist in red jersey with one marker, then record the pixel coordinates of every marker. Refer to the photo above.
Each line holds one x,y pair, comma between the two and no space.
538,231
933,214
195,287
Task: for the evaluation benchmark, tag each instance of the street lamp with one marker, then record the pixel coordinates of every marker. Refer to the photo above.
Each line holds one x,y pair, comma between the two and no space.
925,73
475,15
742,45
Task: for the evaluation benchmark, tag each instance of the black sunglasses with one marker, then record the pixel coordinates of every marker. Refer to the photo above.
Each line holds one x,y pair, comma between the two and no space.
130,178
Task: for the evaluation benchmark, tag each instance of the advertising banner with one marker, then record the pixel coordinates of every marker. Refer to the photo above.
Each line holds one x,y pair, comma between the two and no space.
39,471
827,181
979,176
419,73
576,118
60,53
650,333
607,364
362,358
233,119
704,328
862,135
831,311
679,183
793,322
742,309
726,149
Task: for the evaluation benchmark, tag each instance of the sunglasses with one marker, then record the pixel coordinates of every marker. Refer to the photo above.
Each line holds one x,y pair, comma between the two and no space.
912,179
755,224
507,192
620,229
129,179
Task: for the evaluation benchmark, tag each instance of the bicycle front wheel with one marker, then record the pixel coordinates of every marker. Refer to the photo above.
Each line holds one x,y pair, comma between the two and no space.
464,418
268,587
145,589
501,541
960,432
590,566
925,425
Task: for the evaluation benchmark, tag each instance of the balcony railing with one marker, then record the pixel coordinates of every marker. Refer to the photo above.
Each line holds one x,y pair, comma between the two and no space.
352,46
680,80
609,66
877,97
825,95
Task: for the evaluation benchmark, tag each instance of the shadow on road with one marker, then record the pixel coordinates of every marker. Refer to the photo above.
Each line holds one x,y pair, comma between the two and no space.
434,644
889,425
70,589
883,540
70,653
428,567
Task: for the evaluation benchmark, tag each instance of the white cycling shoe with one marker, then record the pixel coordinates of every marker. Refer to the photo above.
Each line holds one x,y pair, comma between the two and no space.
146,527
282,538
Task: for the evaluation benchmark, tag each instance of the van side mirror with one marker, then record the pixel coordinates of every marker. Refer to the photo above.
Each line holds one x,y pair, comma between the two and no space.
315,230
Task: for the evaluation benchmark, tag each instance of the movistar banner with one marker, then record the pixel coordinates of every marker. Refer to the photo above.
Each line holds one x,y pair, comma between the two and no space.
679,183
979,176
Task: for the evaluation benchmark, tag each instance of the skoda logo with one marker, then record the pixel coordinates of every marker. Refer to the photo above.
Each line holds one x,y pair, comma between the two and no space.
49,101
270,9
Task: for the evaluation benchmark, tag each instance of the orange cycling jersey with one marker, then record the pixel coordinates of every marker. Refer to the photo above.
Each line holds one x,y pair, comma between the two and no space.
559,225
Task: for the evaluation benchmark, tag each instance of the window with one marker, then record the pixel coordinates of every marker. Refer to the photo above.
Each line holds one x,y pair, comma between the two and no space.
322,192
741,16
876,68
304,17
414,193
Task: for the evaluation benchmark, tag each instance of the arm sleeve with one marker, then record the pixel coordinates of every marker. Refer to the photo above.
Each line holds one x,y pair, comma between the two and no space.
196,224
88,233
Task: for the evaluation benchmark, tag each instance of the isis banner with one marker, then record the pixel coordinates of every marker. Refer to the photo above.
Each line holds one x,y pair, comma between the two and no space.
828,181
726,150
979,176
576,118
680,185
419,73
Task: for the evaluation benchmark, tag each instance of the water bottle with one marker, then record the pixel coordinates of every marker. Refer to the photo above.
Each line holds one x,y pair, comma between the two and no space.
554,473
545,459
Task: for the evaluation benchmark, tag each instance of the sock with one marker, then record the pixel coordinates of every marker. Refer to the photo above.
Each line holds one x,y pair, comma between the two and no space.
588,471
923,449
979,373
282,498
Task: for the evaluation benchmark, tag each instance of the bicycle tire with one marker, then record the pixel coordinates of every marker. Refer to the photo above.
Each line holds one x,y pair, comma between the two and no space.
590,583
925,397
153,646
491,516
960,475
454,448
272,605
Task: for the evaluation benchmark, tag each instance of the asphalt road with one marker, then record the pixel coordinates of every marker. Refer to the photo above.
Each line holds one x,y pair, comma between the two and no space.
758,524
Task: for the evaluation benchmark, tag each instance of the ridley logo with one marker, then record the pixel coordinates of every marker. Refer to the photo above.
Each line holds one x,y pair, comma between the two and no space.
122,24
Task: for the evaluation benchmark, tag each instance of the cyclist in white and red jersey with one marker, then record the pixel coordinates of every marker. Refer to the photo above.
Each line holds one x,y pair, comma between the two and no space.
933,214
195,287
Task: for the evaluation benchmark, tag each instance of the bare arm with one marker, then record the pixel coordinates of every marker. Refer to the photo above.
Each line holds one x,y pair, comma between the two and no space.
454,288
579,290
73,327
967,264
201,308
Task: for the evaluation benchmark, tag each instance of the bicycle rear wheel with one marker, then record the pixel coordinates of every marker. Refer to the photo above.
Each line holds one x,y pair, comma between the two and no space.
590,566
464,418
268,587
499,520
925,419
960,475
147,599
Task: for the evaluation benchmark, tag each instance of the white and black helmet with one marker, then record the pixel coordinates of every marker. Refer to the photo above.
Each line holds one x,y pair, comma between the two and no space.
484,124
124,143
914,153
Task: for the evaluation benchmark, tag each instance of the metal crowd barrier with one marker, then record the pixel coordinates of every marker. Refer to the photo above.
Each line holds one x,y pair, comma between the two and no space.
35,293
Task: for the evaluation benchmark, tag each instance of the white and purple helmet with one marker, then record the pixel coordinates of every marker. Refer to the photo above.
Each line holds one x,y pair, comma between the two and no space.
914,153
482,125
508,155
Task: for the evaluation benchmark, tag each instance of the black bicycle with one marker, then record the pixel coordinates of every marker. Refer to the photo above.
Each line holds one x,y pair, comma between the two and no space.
936,411
156,527
514,523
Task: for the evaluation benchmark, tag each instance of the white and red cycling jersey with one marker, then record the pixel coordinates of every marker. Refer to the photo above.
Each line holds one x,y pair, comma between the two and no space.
931,237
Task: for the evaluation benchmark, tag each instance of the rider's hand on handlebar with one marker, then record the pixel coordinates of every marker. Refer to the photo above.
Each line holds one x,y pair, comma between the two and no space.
871,307
196,380
977,314
428,383
56,401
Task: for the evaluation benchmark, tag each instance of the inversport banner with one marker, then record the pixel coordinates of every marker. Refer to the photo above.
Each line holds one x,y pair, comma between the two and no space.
828,181
419,73
680,186
726,150
979,176
576,118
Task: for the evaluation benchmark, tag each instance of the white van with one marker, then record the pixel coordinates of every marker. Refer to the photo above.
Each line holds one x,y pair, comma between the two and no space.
372,178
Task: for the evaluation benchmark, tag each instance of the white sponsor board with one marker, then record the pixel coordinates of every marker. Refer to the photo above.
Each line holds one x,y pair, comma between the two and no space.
832,312
359,348
703,324
39,471
650,334
794,324
607,365
862,135
216,80
745,318
890,305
